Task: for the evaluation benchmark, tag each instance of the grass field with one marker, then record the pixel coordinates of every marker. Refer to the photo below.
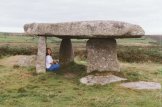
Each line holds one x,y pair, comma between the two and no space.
21,87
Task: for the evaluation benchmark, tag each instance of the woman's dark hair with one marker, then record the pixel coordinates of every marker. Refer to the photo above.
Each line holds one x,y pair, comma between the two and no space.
47,50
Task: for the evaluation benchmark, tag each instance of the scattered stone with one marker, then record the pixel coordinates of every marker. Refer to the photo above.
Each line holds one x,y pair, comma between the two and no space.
102,55
142,85
85,29
100,80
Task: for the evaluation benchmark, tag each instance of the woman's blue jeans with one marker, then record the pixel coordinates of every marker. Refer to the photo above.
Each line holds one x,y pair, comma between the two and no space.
54,67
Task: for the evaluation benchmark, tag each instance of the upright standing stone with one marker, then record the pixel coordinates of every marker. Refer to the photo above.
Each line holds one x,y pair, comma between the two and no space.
66,54
102,55
41,55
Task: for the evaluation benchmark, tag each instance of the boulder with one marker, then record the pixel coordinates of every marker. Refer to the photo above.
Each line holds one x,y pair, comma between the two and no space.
140,85
100,80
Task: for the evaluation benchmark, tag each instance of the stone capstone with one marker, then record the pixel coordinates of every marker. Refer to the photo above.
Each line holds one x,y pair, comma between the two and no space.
86,29
100,80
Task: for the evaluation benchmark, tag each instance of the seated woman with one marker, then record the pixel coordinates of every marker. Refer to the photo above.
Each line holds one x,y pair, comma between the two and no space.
51,65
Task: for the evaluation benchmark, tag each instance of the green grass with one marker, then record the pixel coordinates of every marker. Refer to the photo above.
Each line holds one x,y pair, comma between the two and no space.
6,38
125,53
33,39
140,53
135,41
129,50
10,39
20,86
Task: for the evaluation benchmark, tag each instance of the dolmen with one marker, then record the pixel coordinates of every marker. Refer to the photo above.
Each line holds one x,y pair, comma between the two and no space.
101,44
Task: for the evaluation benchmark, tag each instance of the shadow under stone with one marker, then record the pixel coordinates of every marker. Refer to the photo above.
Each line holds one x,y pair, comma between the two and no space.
72,68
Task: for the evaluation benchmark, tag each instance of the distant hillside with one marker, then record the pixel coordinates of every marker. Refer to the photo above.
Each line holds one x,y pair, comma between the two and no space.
157,38
11,34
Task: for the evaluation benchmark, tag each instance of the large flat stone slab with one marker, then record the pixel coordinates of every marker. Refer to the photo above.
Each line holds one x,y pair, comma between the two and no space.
100,80
142,85
86,29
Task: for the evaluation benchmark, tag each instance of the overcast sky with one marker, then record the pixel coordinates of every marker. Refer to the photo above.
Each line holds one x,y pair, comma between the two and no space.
15,13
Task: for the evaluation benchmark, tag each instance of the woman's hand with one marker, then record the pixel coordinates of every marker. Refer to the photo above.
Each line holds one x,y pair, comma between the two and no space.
55,62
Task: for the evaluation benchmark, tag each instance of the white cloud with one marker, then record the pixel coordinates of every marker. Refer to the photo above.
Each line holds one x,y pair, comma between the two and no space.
15,13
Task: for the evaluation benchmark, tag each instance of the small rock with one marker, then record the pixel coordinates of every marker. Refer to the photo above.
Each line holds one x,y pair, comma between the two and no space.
101,80
142,85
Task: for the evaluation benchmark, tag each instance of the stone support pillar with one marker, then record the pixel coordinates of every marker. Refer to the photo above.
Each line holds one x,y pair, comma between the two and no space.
102,55
66,54
41,55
